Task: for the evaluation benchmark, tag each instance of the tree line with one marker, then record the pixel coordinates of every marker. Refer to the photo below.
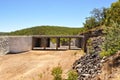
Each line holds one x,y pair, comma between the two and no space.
103,16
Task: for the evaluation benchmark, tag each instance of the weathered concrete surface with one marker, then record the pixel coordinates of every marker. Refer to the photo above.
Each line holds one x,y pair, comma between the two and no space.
4,45
20,43
16,44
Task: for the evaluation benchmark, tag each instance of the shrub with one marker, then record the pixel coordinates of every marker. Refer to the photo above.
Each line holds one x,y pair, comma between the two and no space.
57,72
104,53
40,75
72,75
112,40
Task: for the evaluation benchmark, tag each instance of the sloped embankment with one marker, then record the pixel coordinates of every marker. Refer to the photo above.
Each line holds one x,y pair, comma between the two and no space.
92,67
110,68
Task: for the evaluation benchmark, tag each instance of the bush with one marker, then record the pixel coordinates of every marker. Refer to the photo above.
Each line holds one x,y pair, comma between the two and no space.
104,53
112,40
57,72
72,75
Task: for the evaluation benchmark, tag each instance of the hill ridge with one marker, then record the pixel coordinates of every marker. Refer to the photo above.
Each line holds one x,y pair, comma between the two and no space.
47,30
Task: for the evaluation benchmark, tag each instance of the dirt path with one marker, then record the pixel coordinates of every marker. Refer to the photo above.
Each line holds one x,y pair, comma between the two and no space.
36,65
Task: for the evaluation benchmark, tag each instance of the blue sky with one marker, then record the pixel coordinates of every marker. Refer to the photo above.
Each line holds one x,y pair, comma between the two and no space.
19,14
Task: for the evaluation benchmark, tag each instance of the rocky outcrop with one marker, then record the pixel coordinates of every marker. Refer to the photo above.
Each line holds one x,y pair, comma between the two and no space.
89,66
4,45
94,44
90,34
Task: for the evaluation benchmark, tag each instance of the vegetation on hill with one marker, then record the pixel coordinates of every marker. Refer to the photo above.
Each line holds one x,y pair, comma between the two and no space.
103,16
112,40
110,19
113,14
48,30
3,33
96,19
112,29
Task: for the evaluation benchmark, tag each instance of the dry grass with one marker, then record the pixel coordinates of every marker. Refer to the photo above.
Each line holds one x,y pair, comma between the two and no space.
36,65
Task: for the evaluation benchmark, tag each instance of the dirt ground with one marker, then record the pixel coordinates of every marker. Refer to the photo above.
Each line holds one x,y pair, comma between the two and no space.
36,65
111,68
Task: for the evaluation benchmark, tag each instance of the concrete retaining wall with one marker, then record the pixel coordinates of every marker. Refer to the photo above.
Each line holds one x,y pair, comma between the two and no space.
15,44
20,43
4,45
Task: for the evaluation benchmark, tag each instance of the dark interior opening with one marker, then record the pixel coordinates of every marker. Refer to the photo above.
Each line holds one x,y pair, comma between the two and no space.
37,42
48,42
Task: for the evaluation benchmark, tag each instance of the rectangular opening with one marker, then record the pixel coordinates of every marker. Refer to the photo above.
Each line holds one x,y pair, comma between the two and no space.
37,42
58,42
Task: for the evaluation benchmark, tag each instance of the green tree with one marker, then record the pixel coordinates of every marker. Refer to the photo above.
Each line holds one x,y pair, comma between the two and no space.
96,19
113,14
96,13
90,23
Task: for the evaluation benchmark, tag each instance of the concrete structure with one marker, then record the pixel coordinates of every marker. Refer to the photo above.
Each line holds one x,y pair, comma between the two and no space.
4,45
43,41
16,44
20,43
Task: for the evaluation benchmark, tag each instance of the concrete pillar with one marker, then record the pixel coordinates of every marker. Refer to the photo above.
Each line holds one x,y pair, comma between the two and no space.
44,43
85,39
83,46
69,43
33,43
57,43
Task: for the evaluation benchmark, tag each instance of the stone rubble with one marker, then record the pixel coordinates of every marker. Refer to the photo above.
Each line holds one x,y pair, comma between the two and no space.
89,65
4,45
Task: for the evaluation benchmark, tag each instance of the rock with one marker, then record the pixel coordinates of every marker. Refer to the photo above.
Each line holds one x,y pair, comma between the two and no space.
94,45
89,65
85,75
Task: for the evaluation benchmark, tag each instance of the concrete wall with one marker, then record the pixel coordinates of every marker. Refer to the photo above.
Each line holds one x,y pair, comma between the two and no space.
20,43
4,45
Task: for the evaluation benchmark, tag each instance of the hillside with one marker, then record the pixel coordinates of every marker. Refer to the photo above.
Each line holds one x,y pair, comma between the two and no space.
48,30
3,33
